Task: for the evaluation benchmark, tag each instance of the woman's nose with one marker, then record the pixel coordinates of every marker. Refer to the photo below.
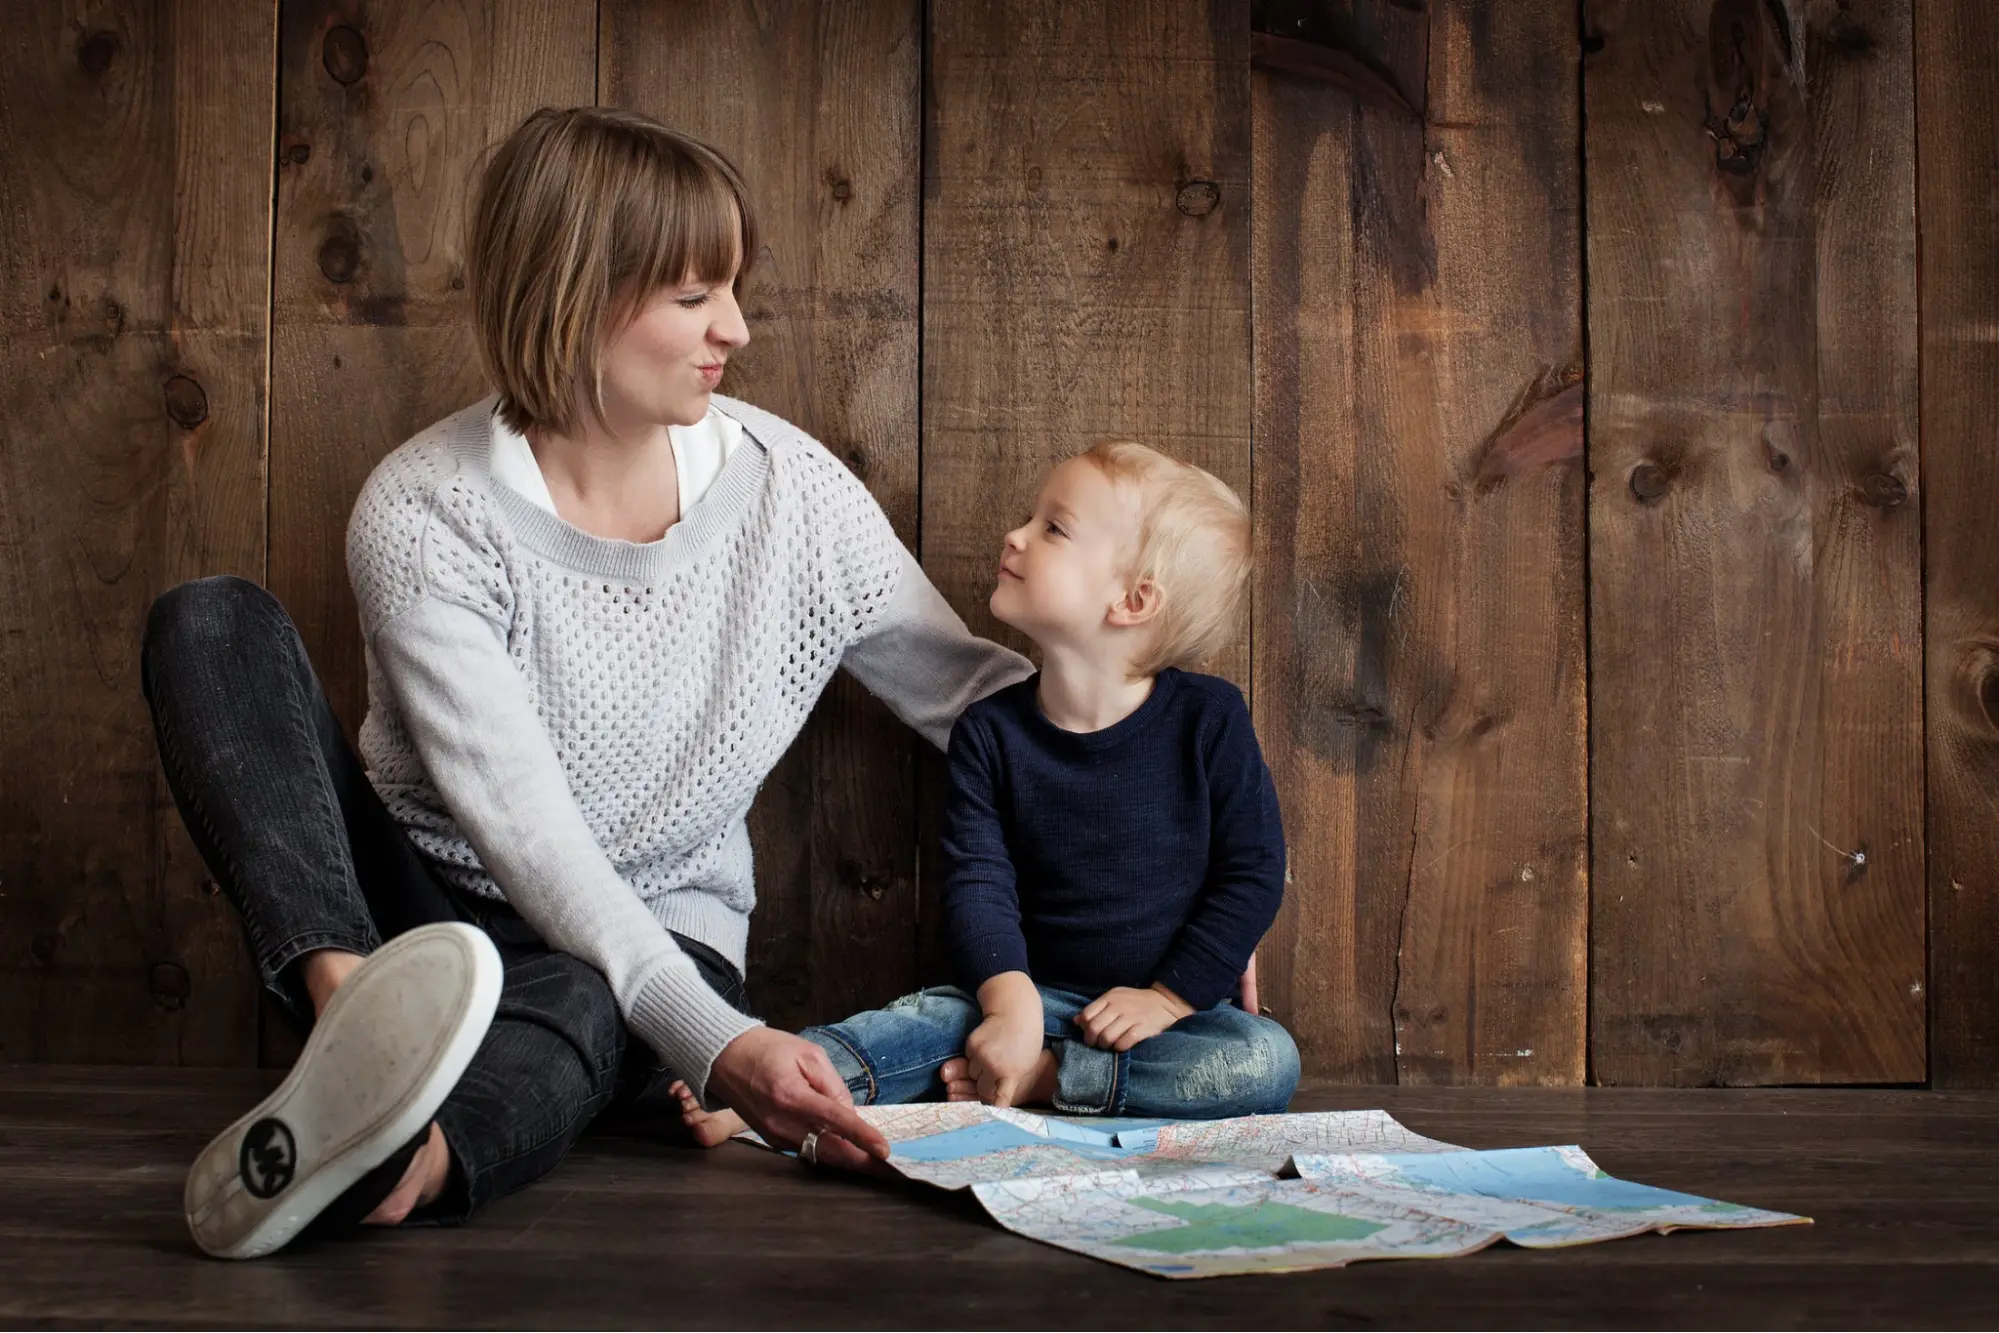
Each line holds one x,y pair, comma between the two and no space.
729,328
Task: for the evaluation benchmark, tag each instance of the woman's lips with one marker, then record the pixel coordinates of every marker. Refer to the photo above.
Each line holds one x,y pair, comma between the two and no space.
711,375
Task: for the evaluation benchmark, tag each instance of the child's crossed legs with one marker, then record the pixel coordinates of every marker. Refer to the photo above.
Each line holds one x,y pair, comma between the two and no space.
1214,1063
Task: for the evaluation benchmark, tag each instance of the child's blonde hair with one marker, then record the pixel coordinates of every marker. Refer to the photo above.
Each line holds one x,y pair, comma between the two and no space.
1193,543
581,215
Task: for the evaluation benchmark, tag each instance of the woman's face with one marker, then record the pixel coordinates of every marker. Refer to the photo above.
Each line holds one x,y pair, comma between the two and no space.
660,370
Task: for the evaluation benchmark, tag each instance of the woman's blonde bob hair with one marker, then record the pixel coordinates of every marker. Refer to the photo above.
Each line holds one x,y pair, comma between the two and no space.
579,217
1193,544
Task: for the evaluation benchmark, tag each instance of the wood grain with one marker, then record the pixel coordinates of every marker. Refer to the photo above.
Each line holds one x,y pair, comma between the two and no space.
1957,50
818,104
1755,636
1419,497
1086,264
134,218
631,1232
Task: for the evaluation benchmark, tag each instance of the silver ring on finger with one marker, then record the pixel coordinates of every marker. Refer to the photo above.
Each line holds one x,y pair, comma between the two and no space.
808,1148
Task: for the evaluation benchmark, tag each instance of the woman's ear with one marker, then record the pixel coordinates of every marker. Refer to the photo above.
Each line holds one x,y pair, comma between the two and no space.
1139,604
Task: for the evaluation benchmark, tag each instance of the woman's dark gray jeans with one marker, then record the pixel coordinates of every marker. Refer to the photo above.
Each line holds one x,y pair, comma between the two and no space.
282,811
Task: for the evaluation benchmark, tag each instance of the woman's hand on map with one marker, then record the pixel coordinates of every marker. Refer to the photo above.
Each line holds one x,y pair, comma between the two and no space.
1122,1017
784,1087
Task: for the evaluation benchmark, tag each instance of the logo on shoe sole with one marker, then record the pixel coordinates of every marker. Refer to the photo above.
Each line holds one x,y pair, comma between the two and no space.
268,1158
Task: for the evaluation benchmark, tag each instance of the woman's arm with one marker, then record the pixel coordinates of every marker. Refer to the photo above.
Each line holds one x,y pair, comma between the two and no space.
468,714
921,661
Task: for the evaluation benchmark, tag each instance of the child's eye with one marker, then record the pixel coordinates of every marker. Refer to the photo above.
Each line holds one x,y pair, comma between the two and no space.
691,302
1056,528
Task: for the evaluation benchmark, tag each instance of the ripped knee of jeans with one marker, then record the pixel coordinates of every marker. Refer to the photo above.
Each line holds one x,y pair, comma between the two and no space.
1254,1074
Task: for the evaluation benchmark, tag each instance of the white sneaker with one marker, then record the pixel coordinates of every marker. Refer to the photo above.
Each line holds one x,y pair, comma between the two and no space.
383,1057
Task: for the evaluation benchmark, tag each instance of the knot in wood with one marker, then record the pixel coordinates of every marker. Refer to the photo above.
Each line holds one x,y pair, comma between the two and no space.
169,984
44,947
1197,199
187,402
843,190
1883,490
1649,482
345,55
340,252
95,52
298,154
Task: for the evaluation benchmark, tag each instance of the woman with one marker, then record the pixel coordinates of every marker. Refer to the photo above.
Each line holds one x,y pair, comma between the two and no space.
597,609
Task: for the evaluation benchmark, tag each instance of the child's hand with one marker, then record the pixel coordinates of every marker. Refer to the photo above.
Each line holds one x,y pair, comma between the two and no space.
1002,1053
1122,1017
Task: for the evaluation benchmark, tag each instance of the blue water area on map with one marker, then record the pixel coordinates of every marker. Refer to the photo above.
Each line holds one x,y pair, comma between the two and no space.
1533,1174
998,1136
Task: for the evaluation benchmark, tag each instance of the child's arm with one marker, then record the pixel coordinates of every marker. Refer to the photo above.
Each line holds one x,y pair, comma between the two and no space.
1245,885
982,920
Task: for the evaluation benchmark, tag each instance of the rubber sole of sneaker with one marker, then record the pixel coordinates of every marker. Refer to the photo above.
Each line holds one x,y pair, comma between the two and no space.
382,1058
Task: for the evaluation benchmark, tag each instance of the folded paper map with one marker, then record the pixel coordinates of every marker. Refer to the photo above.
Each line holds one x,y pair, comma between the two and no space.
1273,1193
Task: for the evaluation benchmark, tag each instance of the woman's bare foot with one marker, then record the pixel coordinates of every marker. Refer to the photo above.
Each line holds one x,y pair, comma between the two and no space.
710,1128
423,1180
1038,1090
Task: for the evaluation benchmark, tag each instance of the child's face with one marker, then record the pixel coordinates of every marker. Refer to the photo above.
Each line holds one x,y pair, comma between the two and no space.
1062,572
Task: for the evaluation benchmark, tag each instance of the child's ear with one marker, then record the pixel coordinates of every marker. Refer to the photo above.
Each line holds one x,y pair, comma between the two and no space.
1139,604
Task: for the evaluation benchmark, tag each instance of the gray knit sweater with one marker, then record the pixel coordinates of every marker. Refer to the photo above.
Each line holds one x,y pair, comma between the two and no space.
578,725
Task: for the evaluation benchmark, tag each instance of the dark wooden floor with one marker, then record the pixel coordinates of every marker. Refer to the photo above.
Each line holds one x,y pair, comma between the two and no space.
1904,1185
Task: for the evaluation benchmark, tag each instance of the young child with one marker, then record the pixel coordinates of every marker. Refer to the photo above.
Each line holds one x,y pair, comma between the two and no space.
1112,845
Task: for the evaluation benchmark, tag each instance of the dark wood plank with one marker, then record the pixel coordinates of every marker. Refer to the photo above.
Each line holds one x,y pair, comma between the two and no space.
1086,264
134,213
629,1232
818,104
1419,497
1957,50
386,112
1755,644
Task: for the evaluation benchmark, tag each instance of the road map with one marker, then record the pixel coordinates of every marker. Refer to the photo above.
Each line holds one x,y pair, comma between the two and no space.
1274,1193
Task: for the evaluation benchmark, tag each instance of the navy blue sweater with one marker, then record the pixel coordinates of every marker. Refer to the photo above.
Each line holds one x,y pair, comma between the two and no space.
1149,851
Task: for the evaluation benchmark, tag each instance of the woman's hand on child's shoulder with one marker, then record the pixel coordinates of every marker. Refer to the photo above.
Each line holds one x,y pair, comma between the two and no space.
1123,1016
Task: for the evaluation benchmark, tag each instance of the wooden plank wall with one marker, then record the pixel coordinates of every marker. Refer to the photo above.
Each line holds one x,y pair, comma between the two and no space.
1570,362
1957,50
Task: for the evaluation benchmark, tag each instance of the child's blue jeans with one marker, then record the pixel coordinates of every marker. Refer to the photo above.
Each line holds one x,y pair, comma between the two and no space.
1215,1063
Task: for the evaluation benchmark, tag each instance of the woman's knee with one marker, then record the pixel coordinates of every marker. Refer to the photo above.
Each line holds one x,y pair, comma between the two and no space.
201,614
552,1004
